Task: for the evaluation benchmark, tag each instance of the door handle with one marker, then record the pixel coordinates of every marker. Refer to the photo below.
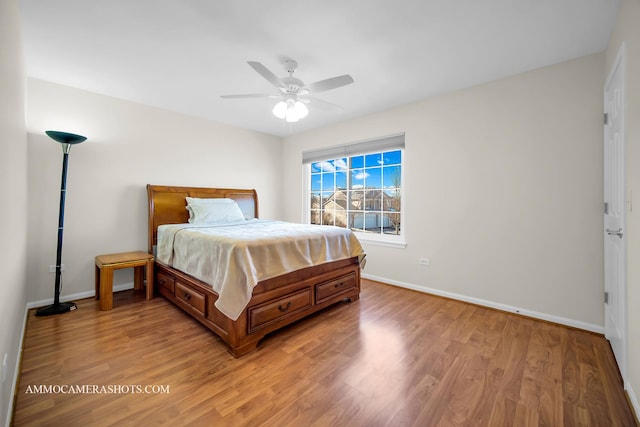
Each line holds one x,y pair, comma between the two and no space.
617,232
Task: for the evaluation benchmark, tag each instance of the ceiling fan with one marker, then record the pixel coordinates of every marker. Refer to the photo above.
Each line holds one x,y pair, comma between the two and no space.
292,92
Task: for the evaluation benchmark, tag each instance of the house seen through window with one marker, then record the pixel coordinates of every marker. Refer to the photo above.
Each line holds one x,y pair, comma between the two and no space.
361,192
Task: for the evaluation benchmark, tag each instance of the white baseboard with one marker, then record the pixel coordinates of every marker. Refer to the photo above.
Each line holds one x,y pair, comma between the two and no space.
486,303
633,399
16,372
78,295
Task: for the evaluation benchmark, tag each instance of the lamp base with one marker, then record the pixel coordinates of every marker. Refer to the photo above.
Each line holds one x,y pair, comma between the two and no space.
59,308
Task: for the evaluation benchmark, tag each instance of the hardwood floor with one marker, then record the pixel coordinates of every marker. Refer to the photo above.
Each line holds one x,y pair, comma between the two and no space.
393,358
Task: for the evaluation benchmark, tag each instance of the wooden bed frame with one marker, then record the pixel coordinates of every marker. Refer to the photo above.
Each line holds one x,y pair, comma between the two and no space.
275,302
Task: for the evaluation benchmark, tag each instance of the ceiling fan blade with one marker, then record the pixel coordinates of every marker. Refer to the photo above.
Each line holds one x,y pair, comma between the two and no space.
266,73
328,84
250,95
322,104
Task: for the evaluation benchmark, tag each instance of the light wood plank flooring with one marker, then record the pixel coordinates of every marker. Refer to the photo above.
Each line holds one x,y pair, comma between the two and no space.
393,358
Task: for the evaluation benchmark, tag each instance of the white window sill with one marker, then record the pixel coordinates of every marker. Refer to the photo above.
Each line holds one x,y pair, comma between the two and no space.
368,239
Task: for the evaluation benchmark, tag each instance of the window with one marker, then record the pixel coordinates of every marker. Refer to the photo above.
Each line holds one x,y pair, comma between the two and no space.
361,190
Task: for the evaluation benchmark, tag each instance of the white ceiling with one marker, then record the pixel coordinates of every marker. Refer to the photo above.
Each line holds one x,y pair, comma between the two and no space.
181,55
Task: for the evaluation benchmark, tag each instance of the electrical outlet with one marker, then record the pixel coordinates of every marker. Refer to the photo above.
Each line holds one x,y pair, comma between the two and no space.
425,262
52,268
4,368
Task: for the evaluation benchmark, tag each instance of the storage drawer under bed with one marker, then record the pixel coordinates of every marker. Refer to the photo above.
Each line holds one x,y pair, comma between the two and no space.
264,314
191,298
166,284
335,287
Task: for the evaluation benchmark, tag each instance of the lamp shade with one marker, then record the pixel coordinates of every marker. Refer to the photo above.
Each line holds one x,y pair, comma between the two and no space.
291,110
280,110
300,109
65,137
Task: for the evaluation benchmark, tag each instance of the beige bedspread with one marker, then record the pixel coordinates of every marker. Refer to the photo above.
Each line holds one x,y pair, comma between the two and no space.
233,258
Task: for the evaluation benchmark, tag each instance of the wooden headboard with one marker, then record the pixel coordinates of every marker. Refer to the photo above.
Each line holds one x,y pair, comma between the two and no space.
168,205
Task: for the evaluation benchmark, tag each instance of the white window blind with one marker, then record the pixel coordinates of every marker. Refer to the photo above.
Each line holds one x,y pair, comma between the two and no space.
384,143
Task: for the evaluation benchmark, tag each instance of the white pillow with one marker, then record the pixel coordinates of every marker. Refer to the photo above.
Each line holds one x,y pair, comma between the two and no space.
211,201
208,212
192,201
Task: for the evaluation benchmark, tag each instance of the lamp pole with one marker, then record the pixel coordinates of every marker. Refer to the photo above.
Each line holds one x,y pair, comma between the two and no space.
66,139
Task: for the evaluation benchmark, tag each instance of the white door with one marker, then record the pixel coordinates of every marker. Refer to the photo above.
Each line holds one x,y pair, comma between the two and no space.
615,284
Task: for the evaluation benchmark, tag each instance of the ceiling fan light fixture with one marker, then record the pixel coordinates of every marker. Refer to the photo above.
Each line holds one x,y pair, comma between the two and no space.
290,110
300,109
280,110
292,115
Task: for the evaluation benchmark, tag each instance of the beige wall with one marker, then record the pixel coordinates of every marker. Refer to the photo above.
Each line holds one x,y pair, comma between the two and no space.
627,32
128,146
13,167
503,191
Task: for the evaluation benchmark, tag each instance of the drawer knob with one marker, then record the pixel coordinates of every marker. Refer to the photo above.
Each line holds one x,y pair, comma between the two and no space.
187,296
338,285
285,308
161,281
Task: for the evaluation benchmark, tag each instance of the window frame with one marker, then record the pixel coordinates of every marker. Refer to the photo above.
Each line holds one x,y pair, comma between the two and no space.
381,239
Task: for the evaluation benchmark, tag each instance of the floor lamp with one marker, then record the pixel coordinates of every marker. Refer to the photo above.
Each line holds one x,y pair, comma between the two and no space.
67,140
